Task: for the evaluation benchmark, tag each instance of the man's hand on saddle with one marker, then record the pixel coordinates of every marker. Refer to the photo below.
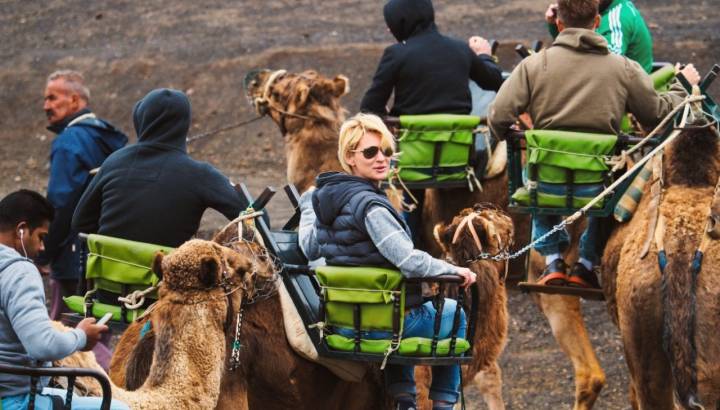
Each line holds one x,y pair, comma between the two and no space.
468,276
92,331
689,72
479,45
551,14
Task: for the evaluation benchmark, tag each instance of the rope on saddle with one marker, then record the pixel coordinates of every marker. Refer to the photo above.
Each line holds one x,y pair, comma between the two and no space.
136,299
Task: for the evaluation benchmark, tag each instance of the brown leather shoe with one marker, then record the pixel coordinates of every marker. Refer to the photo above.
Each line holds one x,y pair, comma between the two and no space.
554,274
581,277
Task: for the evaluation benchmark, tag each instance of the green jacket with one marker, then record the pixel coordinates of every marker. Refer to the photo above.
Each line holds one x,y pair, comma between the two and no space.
625,31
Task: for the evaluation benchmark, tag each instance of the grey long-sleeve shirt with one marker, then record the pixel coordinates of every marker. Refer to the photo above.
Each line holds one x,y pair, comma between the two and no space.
388,236
26,335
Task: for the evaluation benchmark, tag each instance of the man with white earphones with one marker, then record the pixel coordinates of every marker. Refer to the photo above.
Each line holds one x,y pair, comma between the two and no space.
27,337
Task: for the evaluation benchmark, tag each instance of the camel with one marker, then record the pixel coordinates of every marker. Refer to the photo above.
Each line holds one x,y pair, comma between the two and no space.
563,312
309,118
494,229
203,285
669,320
256,383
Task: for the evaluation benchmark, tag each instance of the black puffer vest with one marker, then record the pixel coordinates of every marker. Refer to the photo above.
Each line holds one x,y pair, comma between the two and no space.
340,204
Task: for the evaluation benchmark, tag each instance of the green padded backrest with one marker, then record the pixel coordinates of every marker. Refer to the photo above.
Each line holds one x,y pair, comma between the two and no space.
417,141
121,261
556,151
663,77
374,289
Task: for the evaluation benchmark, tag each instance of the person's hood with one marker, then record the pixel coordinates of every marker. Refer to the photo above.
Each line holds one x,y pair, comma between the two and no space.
7,252
109,138
334,191
163,117
406,18
583,40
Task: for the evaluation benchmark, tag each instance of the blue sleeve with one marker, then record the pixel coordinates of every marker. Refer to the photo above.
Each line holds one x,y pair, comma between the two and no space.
68,174
23,301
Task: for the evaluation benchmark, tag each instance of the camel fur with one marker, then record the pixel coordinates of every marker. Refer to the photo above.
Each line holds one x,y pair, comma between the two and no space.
669,321
186,367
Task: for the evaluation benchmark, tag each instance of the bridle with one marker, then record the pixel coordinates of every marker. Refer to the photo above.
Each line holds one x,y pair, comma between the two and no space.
467,223
265,103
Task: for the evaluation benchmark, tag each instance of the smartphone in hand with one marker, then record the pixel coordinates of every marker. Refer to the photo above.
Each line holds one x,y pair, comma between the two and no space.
106,318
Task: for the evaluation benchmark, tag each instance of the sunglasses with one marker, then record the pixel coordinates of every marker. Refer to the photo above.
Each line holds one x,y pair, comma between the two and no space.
371,152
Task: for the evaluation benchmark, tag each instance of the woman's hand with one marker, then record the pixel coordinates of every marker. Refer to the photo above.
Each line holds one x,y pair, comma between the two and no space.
468,276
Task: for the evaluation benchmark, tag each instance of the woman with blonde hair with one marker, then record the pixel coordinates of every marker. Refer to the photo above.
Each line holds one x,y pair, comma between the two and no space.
349,221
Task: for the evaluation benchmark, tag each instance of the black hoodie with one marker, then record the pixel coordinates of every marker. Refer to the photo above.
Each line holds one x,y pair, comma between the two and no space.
153,191
428,71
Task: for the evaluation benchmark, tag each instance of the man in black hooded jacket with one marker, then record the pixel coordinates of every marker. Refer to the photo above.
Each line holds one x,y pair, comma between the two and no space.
428,71
153,191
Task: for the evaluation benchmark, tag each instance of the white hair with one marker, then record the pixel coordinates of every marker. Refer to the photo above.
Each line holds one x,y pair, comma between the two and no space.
74,80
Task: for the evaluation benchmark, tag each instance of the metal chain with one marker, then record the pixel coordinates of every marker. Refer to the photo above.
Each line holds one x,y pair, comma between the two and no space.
506,255
219,130
236,345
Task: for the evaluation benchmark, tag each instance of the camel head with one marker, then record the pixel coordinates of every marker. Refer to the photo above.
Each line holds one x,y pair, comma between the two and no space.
481,229
199,266
293,100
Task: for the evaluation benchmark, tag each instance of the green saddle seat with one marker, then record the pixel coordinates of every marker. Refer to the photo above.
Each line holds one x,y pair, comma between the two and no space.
568,160
378,293
116,267
435,147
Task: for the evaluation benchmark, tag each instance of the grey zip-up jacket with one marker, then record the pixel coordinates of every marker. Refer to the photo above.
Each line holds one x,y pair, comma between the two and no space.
26,334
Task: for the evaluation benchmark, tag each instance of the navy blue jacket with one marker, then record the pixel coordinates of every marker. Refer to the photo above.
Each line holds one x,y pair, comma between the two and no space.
341,203
83,143
428,72
153,191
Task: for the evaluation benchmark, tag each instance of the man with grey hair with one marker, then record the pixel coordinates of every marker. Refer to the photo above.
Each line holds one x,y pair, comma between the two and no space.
83,142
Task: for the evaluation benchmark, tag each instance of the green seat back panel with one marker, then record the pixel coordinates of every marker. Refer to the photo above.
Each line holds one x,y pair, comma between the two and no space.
663,77
413,346
373,288
417,140
77,304
522,197
555,151
122,261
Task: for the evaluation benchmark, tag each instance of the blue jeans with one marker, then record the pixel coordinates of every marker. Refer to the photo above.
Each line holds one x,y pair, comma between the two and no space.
43,401
419,322
559,241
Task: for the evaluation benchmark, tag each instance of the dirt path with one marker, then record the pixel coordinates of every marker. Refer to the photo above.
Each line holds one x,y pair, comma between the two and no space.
127,48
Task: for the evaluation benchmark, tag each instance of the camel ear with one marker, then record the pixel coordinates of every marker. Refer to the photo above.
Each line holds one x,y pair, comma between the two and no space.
341,85
157,265
439,232
209,271
303,91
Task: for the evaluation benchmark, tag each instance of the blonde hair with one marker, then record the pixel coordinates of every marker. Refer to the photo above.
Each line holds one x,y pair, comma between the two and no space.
74,80
352,131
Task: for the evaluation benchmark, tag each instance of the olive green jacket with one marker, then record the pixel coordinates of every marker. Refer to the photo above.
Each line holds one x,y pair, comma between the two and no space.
578,85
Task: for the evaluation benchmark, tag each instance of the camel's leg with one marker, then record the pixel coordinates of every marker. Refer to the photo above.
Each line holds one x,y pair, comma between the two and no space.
565,318
489,382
